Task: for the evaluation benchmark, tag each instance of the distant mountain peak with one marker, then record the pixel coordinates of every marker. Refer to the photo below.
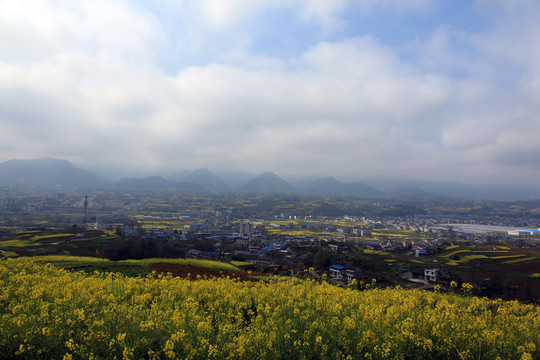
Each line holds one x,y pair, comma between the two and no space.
268,182
47,174
207,180
155,184
203,170
269,175
329,186
41,162
329,180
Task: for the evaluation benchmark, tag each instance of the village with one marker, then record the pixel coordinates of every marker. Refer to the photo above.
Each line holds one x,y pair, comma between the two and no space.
395,252
496,254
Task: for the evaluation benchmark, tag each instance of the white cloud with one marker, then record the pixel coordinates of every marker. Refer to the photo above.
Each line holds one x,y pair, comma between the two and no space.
228,13
81,81
324,12
395,5
41,30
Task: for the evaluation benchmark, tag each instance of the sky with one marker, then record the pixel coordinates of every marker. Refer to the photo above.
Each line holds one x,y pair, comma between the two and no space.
424,89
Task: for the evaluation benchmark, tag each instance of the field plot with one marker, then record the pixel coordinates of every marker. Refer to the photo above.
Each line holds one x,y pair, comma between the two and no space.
167,224
55,242
187,268
499,255
488,267
53,313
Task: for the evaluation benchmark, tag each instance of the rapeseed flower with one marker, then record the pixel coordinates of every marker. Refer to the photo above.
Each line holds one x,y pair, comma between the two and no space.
51,313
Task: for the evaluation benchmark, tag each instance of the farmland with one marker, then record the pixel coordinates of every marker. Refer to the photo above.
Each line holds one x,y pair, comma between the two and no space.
390,240
495,270
185,268
64,242
254,277
49,312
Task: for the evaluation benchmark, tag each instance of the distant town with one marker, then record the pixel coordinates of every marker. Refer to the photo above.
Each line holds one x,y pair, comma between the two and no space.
346,233
415,244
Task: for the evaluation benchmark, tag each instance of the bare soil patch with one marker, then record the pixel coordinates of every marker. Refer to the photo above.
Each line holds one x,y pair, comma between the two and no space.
195,272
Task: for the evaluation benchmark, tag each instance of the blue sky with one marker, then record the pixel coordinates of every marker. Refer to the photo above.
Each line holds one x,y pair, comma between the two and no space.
426,89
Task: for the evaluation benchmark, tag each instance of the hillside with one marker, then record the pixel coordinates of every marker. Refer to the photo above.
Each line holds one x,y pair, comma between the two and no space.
51,313
329,186
149,183
268,182
47,174
207,180
152,184
56,175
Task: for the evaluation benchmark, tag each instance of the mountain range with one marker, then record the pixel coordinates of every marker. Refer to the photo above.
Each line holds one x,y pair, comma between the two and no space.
268,182
329,186
49,174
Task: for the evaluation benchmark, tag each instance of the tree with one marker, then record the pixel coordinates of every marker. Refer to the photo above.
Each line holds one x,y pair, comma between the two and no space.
323,258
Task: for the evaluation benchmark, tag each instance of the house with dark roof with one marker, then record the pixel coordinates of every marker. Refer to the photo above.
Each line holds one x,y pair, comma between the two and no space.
353,274
193,253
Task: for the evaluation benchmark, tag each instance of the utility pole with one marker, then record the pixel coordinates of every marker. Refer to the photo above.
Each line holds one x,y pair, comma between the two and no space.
85,209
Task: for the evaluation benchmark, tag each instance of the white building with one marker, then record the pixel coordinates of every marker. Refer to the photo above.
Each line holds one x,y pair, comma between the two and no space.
246,228
431,274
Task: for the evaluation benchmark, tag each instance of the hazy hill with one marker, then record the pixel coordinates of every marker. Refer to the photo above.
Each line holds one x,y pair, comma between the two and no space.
329,186
321,186
358,189
147,183
206,180
154,184
178,175
411,188
268,182
235,179
411,193
47,174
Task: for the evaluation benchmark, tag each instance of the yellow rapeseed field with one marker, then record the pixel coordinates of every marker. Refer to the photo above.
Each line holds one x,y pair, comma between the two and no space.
50,313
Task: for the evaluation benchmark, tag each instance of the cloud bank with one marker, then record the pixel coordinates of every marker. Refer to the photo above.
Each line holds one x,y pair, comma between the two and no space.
299,87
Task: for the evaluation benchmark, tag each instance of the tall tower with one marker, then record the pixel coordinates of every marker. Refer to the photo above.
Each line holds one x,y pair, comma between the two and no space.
85,209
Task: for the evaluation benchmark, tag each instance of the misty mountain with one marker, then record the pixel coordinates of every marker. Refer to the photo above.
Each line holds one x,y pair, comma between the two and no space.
179,175
411,188
329,186
411,193
500,192
323,186
235,179
147,183
48,174
358,189
156,184
268,182
206,180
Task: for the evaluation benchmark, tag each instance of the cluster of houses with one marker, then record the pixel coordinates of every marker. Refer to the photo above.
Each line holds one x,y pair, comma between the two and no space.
272,252
248,242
